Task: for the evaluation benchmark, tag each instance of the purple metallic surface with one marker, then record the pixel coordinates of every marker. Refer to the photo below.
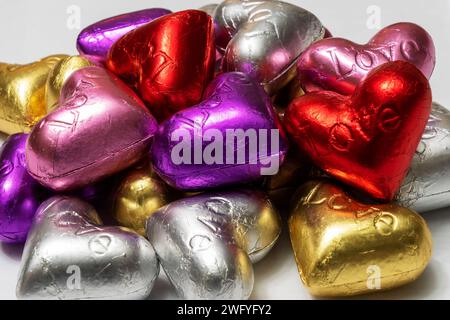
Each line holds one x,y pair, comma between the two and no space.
232,101
20,194
339,65
95,40
100,128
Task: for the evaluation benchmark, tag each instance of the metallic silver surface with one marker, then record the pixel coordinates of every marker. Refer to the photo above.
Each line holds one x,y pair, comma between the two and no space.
264,38
69,255
202,241
209,8
255,223
427,185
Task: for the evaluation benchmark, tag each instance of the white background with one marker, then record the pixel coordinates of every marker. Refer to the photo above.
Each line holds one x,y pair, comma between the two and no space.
31,29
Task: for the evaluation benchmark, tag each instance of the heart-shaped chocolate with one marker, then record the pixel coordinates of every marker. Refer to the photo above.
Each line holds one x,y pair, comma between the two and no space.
20,194
99,128
368,139
264,38
22,93
205,243
233,136
427,185
140,193
339,65
69,255
344,247
94,41
169,61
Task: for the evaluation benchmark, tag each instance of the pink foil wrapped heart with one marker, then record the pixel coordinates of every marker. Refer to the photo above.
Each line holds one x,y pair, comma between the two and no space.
339,65
100,128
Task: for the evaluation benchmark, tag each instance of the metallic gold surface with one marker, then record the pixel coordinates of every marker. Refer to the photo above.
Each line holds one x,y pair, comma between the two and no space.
139,195
22,93
344,247
58,75
256,224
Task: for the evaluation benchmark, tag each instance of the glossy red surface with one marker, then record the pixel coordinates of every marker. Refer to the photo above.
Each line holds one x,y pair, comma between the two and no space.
366,140
169,61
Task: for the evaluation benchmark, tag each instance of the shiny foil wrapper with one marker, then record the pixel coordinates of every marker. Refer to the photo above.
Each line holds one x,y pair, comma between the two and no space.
20,194
206,243
70,255
339,65
140,193
100,128
22,93
58,76
168,61
232,102
264,38
209,8
344,247
94,41
427,184
368,139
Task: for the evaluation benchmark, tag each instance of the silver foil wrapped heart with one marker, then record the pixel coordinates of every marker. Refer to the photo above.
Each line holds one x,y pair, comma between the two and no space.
206,243
264,38
427,185
209,8
69,255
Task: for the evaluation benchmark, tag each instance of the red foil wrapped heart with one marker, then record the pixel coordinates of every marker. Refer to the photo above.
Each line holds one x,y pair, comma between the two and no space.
168,61
366,140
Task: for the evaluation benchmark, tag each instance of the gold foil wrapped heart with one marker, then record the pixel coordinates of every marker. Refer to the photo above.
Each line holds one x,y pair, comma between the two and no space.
344,247
139,195
22,93
28,92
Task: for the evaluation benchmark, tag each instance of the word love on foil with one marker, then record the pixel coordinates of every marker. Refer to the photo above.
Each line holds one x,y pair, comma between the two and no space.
339,65
233,136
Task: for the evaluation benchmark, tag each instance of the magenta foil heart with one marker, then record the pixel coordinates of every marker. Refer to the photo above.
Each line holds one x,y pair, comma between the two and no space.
100,128
339,65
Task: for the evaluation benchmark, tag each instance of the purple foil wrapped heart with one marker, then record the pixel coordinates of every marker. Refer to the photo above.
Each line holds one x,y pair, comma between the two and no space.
20,194
339,65
95,40
232,137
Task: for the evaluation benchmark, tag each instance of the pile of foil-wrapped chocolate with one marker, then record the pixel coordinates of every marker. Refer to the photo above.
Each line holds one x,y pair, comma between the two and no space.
195,134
